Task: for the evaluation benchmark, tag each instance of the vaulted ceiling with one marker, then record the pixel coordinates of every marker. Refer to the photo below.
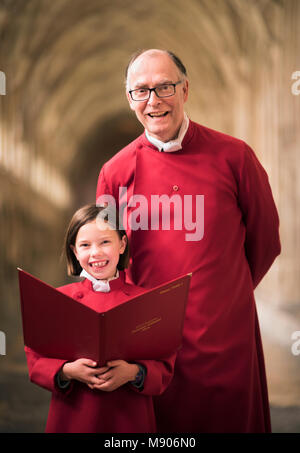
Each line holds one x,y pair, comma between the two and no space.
65,61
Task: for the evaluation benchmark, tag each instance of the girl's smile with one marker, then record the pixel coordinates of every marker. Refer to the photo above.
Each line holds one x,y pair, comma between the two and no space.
98,250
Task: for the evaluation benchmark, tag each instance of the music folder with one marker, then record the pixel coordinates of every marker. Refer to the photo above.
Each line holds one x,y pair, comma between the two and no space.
147,326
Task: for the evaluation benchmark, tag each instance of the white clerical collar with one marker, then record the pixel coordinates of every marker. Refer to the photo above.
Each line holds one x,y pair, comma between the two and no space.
172,145
99,285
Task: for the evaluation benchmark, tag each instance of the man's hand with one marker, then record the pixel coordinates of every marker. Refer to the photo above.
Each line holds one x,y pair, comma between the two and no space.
118,373
83,370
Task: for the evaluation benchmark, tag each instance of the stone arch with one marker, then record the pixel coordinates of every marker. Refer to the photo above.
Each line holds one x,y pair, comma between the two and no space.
102,141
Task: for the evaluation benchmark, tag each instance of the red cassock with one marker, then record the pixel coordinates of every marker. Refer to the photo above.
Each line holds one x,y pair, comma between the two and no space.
79,409
219,382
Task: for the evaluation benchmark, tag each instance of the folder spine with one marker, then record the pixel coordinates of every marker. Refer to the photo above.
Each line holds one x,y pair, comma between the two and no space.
102,340
22,305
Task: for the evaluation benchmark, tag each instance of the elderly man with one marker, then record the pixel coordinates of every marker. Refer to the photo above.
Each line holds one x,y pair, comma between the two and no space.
227,237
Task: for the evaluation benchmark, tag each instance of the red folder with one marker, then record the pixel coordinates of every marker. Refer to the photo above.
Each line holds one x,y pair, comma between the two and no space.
148,326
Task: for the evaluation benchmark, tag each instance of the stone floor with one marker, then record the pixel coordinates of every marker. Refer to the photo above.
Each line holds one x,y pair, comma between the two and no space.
24,406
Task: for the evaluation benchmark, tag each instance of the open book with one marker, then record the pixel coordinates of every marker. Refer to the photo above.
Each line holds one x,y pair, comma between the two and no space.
148,326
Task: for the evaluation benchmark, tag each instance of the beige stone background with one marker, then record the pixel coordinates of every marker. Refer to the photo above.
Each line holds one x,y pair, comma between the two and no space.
65,113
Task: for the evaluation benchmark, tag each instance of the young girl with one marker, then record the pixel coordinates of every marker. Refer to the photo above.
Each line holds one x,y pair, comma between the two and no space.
87,398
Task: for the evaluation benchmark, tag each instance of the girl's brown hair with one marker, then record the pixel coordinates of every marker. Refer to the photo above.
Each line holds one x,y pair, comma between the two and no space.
86,214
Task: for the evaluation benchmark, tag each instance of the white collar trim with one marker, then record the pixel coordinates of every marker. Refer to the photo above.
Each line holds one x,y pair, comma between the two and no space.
99,285
172,145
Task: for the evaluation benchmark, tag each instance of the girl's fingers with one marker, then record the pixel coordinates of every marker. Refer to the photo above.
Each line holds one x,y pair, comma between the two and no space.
97,372
92,364
105,386
102,369
96,383
113,363
106,376
88,362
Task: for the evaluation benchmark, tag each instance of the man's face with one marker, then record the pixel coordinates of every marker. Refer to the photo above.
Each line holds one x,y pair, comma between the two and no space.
161,117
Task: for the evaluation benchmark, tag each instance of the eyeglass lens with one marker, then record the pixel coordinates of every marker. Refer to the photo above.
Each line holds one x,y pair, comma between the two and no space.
161,91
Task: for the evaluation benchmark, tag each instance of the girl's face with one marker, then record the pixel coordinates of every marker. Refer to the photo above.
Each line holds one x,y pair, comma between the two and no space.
98,250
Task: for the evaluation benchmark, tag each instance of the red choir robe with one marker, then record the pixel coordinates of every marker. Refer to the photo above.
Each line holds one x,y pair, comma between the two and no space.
219,382
79,409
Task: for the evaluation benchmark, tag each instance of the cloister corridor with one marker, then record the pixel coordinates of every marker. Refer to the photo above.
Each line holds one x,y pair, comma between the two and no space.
64,112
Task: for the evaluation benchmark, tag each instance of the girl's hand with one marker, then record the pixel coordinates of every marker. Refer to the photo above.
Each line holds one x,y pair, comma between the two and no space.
83,370
118,373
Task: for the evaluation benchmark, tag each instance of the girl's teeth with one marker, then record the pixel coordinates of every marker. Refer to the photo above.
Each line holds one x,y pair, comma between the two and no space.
99,264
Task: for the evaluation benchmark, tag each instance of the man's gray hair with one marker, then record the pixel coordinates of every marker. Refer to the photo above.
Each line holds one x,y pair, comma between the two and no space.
173,57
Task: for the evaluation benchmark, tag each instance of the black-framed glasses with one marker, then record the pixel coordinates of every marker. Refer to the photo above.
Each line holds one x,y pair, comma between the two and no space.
161,91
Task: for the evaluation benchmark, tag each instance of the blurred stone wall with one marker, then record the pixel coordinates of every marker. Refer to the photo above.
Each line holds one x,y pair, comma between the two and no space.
65,113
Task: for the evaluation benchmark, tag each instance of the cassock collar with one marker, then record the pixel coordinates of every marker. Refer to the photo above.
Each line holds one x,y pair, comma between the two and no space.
172,145
102,286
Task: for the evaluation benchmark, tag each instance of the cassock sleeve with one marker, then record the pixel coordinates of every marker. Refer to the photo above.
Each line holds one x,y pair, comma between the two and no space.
262,243
159,374
43,370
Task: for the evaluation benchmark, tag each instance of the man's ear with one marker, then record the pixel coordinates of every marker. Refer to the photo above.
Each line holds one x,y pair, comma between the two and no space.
131,104
185,90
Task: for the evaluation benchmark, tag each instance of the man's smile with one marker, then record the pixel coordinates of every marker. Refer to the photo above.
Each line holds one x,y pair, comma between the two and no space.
157,114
